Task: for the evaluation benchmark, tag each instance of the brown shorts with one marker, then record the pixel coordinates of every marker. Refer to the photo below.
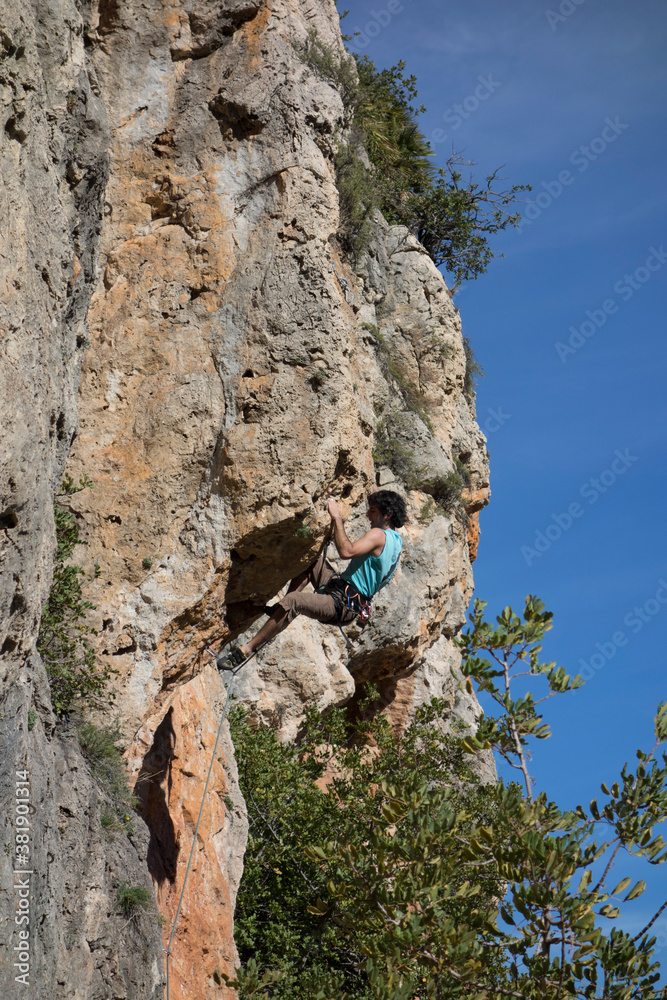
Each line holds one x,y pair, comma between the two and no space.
321,607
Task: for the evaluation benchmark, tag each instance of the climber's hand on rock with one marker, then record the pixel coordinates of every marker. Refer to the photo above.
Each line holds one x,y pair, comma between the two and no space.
334,509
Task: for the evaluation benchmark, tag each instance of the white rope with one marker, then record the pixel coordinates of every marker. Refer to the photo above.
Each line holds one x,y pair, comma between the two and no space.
167,950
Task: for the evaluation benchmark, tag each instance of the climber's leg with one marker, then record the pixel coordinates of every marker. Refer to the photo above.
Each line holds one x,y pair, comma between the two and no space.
317,574
277,621
320,607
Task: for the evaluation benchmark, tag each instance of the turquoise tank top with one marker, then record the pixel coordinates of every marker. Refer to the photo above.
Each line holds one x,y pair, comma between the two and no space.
366,573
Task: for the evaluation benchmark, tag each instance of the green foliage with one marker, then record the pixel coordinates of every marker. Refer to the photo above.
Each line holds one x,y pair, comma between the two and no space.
389,450
427,512
304,531
287,918
444,350
357,200
75,676
400,877
109,821
452,218
131,900
462,471
337,67
32,719
387,120
555,909
146,562
447,491
99,746
473,371
357,194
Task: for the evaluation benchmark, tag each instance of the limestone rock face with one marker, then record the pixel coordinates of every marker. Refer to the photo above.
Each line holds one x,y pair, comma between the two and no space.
169,762
80,944
235,370
53,169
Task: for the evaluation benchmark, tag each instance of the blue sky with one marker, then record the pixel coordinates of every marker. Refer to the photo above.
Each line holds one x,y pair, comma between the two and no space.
541,90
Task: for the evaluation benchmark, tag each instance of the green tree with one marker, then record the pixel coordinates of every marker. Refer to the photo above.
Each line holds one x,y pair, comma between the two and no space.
454,218
75,675
385,161
422,883
290,925
555,909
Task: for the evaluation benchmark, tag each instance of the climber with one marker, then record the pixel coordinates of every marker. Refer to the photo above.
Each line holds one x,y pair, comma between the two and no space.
337,600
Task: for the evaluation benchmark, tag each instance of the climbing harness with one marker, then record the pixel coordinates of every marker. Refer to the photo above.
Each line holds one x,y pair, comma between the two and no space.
345,596
233,671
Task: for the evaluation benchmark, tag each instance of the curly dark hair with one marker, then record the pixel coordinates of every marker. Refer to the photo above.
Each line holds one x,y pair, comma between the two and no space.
391,505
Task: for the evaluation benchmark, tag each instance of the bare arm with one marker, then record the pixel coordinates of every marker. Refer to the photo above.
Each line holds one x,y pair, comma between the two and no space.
372,543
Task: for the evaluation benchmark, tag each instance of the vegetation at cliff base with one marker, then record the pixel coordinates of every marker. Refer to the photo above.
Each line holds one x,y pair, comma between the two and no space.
381,868
326,789
76,677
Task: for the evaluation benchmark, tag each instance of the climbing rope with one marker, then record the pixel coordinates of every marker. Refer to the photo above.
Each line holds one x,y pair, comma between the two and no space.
234,672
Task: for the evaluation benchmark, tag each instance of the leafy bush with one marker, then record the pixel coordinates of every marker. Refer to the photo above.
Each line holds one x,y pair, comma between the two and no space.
283,930
99,746
357,200
451,217
338,67
133,899
109,822
75,676
463,471
400,877
447,491
473,371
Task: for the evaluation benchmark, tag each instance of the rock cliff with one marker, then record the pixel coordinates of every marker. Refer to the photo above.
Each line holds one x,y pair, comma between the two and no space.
233,369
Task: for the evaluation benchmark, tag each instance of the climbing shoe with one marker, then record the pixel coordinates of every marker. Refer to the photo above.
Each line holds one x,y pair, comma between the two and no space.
234,658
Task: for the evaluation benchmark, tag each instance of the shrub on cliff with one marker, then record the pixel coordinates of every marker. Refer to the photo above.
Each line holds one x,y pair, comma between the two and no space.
403,879
452,217
75,676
